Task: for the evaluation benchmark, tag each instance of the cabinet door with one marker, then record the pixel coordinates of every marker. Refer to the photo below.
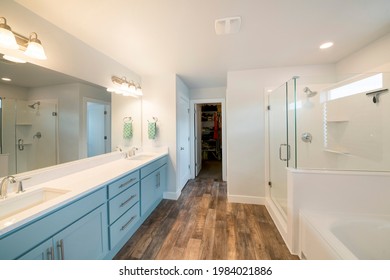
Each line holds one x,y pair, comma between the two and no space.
152,189
45,251
85,239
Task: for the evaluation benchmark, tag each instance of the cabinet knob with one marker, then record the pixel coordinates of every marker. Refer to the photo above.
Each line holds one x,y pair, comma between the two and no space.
182,148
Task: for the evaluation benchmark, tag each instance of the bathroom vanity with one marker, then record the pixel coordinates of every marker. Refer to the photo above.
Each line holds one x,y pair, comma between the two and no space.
88,214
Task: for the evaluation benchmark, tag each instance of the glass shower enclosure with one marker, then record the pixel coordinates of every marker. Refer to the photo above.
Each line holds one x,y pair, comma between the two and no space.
334,125
282,141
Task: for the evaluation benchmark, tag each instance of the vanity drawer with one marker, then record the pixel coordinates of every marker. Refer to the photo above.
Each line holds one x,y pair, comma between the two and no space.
123,202
122,184
145,171
123,225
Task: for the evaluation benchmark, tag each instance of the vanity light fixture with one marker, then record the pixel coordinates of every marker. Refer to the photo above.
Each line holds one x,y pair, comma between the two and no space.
125,87
7,37
32,46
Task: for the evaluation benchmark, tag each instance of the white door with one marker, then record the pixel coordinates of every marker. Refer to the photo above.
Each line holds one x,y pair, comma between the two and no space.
96,129
183,141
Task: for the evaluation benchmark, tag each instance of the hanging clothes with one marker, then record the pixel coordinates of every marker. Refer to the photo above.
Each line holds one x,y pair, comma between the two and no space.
216,126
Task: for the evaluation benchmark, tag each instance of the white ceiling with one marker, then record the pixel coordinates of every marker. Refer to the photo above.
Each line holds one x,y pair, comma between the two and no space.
177,36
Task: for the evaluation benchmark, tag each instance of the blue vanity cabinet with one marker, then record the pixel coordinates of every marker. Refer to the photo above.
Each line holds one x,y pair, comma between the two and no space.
153,184
83,240
83,221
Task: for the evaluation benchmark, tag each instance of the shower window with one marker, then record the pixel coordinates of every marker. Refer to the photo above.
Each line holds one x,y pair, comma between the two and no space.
363,85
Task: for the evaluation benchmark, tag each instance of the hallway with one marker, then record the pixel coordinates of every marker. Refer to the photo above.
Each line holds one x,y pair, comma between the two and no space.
202,225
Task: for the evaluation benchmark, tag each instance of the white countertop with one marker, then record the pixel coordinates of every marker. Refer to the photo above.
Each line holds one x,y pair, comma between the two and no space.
77,184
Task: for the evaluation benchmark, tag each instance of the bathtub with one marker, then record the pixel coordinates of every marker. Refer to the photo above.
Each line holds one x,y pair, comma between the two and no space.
327,236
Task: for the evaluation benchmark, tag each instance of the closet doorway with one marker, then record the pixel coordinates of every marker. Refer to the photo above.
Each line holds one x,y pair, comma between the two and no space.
209,145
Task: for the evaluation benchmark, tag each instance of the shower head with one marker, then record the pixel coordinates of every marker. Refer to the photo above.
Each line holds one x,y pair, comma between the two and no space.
33,105
308,92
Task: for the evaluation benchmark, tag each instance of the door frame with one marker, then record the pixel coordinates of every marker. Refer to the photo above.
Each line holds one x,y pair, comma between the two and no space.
193,103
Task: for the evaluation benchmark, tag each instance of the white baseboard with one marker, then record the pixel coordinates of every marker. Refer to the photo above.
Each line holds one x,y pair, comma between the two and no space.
172,195
246,199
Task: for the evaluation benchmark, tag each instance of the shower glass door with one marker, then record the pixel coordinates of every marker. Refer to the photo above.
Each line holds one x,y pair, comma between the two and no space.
35,135
281,123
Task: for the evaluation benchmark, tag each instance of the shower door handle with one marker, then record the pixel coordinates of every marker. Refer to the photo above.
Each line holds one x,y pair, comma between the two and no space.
288,149
20,145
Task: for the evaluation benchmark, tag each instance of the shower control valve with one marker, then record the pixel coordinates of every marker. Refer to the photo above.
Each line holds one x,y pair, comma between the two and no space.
306,137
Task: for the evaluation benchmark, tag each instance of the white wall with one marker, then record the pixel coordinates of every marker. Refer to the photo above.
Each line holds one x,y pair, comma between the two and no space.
65,53
159,100
13,92
208,93
124,107
245,109
369,58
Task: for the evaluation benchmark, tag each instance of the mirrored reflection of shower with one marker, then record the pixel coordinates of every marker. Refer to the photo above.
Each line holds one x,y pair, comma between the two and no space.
29,134
35,106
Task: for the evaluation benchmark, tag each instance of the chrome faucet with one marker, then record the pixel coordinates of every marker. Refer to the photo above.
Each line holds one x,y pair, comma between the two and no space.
133,151
20,185
4,185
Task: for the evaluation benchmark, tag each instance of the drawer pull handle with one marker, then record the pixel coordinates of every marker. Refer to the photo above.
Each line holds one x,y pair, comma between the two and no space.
128,223
127,182
127,201
50,253
158,180
60,245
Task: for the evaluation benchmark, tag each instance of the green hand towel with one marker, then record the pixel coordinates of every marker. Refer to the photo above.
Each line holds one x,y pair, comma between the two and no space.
152,130
127,130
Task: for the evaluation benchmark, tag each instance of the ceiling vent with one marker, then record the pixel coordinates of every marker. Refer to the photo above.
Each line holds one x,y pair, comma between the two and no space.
228,25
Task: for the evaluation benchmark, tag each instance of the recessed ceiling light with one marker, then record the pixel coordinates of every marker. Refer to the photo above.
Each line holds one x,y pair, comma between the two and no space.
326,45
6,79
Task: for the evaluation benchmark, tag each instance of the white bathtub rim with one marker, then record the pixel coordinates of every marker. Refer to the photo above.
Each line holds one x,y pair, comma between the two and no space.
323,221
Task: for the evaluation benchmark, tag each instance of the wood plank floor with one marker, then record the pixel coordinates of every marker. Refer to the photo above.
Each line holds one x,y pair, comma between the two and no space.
202,225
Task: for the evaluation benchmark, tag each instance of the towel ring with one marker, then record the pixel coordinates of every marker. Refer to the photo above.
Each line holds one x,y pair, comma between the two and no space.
127,119
154,120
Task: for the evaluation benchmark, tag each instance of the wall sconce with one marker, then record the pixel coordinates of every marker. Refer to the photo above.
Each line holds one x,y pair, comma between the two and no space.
125,87
9,39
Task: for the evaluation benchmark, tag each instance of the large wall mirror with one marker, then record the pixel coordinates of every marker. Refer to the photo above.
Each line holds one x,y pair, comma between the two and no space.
49,118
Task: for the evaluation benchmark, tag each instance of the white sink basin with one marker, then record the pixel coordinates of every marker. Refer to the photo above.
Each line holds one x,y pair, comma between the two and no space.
24,201
142,157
